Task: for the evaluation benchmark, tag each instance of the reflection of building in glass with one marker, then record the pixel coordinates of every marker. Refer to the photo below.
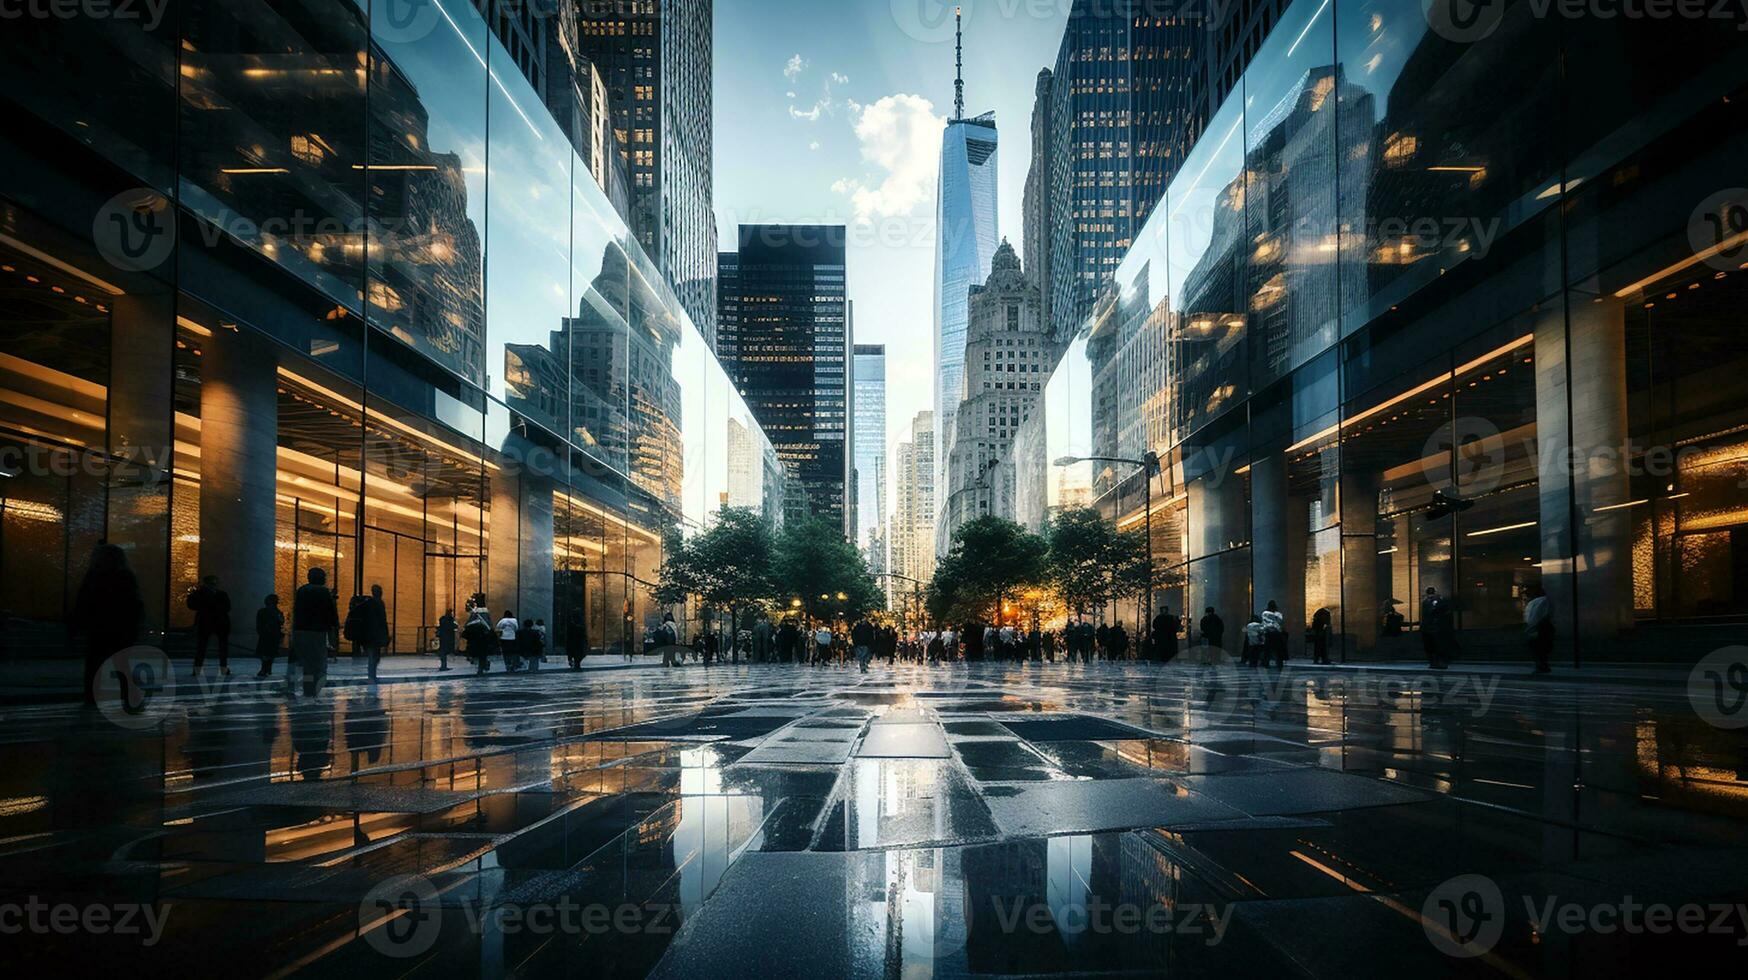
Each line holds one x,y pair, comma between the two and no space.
869,372
788,328
1377,306
655,58
1007,357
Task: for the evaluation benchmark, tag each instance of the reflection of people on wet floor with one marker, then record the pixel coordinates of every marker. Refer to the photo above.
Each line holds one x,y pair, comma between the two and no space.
269,634
312,734
315,625
107,611
212,621
366,729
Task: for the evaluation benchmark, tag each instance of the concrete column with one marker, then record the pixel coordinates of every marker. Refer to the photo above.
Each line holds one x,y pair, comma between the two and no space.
1278,530
1362,605
503,541
535,594
239,437
1582,438
1216,515
142,378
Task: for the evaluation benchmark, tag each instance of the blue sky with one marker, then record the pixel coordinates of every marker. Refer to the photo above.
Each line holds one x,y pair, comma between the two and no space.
829,111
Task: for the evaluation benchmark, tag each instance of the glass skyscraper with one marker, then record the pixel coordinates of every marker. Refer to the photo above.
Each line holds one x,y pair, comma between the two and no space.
319,286
869,438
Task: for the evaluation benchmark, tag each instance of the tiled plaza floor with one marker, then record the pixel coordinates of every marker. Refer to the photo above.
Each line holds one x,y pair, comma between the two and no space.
778,821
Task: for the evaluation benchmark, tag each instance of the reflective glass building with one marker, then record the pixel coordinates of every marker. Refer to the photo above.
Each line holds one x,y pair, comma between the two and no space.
1443,306
324,285
965,229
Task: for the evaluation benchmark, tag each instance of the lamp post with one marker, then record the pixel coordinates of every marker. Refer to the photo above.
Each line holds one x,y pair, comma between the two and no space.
1149,465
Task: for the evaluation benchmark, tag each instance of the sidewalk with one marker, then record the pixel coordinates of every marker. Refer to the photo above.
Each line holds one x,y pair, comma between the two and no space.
58,680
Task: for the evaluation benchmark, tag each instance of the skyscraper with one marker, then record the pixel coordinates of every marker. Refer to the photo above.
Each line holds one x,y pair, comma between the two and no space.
870,453
913,521
1126,101
1035,202
1007,357
655,58
965,222
786,348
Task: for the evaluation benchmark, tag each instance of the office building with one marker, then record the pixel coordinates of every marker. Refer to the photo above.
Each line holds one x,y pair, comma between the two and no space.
913,523
1389,340
786,349
1008,356
392,330
655,58
869,440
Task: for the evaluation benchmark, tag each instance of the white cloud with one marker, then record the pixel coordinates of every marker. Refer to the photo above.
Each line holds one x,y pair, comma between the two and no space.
901,136
810,115
813,145
838,78
797,64
791,94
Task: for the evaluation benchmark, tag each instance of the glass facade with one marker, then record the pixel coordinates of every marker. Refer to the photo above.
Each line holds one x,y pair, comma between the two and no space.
1389,336
965,226
306,285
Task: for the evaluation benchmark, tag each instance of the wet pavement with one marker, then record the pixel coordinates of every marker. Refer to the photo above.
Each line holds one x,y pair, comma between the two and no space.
775,821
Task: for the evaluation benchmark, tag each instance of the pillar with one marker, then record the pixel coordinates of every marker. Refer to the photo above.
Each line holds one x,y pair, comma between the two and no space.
1362,605
1278,531
1582,439
239,437
142,379
1216,515
519,542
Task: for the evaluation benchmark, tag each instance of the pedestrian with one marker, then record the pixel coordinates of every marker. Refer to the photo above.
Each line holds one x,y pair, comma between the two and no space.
531,644
269,634
108,612
1213,632
480,638
1319,636
1255,641
1436,630
370,632
1538,628
507,628
212,621
576,638
315,621
862,637
822,644
1119,642
1274,628
788,638
447,631
1166,627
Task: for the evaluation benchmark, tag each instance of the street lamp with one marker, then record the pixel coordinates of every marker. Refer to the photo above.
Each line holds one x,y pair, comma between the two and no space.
1149,465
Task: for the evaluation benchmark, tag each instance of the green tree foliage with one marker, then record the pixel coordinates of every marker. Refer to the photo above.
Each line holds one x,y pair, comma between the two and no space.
1091,563
730,565
991,558
814,559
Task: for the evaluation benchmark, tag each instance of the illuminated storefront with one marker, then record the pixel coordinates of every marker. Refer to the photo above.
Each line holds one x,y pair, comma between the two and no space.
286,286
1421,311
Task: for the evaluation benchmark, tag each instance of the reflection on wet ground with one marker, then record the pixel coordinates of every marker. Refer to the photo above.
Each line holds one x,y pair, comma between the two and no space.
956,821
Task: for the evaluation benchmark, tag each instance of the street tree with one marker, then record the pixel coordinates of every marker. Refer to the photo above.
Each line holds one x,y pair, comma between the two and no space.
816,564
990,559
729,565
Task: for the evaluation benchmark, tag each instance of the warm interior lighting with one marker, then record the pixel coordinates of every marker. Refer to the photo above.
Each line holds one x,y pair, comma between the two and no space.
1501,530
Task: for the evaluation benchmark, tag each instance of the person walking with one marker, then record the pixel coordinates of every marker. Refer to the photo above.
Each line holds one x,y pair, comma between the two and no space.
576,638
1213,633
447,630
1321,622
1274,629
1538,628
1166,628
269,634
862,638
1436,630
822,644
371,631
107,611
1119,642
507,627
315,623
479,638
212,621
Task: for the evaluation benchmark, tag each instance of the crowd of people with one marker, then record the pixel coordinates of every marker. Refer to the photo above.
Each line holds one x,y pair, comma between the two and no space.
109,614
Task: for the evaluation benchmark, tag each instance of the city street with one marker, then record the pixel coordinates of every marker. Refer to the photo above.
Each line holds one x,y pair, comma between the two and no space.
775,821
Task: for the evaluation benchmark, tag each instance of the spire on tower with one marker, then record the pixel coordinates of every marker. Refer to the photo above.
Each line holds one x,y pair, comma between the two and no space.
958,63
